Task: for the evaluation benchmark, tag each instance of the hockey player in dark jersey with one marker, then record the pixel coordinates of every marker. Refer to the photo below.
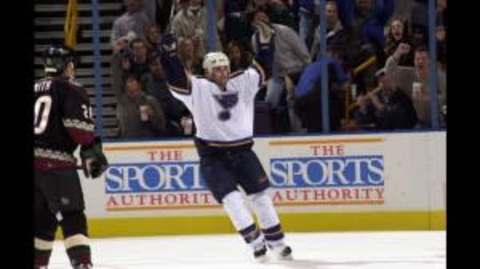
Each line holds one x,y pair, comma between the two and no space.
222,106
62,122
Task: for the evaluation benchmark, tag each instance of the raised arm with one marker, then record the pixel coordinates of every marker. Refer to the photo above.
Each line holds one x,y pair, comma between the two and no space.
178,80
264,47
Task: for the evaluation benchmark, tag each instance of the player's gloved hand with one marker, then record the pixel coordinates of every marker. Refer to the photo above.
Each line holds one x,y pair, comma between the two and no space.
264,33
168,44
94,162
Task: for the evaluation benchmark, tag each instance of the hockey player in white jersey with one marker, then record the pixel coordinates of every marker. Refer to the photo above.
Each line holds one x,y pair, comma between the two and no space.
222,105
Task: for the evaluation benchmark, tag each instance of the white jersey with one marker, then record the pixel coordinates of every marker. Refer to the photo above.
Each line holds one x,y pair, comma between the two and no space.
225,115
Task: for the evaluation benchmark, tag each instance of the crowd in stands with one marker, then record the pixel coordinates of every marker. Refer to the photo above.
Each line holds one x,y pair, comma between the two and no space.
376,57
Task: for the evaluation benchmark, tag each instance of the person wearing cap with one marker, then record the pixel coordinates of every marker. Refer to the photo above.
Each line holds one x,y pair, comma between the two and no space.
222,105
385,108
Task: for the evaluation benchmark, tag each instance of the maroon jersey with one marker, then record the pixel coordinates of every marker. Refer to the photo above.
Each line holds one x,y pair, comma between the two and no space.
62,121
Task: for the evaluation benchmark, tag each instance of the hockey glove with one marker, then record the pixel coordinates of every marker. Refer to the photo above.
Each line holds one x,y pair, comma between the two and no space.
168,44
94,162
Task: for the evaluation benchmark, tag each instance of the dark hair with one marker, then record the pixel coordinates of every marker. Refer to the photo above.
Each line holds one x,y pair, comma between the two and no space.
421,48
245,56
251,14
406,28
234,43
132,76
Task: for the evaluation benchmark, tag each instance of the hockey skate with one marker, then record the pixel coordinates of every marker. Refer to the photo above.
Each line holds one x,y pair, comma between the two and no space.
282,252
260,254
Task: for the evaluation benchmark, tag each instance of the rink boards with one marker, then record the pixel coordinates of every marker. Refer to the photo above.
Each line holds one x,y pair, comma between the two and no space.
319,183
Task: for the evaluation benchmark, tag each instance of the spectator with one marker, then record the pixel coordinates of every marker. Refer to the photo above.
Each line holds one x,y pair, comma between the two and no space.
120,65
159,12
290,57
239,57
189,57
385,108
415,80
441,36
337,35
165,14
191,22
403,9
236,23
308,19
279,12
139,114
398,33
134,20
419,22
442,12
361,35
136,62
441,33
368,19
175,111
307,94
419,17
152,37
152,7
181,5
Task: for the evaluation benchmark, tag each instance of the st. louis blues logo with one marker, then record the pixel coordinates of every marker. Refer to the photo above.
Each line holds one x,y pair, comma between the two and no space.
227,101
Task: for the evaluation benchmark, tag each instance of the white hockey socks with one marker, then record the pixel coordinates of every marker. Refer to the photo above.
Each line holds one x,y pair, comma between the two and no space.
268,218
239,214
263,207
242,219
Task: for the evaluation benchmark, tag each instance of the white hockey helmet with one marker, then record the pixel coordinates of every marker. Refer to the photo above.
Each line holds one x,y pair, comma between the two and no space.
215,59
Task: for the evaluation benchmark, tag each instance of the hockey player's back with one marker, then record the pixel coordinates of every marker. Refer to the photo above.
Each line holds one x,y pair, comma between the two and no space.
62,122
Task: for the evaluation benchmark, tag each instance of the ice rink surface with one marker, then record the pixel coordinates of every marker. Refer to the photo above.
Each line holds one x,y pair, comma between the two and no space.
347,250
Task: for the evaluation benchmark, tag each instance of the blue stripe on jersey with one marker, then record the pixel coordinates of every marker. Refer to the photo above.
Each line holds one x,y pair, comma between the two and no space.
236,74
180,90
233,143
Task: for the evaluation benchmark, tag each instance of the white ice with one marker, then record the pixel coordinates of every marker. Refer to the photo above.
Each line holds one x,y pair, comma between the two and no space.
347,250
